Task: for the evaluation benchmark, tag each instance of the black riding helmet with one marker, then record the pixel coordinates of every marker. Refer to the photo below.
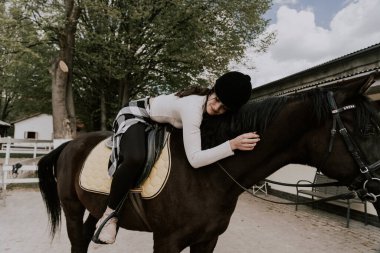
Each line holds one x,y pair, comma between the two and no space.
233,89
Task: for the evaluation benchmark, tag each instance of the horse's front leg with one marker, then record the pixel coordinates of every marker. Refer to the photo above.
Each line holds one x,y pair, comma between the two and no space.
204,247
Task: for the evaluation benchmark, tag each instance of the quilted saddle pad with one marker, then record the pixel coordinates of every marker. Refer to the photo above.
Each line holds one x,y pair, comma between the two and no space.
94,174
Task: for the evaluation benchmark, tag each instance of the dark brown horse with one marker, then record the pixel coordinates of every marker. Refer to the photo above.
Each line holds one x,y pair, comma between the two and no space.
195,206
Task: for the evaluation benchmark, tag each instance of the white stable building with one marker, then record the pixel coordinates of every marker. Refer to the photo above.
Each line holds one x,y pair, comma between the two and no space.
37,127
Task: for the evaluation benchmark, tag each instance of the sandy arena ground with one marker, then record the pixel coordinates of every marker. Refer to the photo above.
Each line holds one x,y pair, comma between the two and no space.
256,226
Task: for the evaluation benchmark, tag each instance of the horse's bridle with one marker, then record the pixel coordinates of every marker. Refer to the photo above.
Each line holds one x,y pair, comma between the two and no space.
358,187
359,184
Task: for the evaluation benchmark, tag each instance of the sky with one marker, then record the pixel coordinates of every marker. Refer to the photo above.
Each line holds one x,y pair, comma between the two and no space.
311,32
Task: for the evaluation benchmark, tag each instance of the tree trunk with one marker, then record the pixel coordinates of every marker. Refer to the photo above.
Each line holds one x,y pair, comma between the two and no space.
61,127
64,120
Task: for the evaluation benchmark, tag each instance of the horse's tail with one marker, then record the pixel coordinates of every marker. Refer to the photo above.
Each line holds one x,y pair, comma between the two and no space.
48,186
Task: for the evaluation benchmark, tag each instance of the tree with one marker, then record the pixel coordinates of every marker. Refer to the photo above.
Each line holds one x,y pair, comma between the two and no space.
57,20
23,78
108,52
64,119
137,48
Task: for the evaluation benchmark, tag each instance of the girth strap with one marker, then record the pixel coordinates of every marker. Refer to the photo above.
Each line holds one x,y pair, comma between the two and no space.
135,198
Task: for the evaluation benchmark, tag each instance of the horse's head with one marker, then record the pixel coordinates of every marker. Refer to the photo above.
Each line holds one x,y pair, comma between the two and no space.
337,131
351,140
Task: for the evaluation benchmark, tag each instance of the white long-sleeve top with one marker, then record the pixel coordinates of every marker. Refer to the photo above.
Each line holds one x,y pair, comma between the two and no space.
187,113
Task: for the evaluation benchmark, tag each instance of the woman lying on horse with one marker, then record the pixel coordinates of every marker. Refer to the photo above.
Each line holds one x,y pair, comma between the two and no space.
185,109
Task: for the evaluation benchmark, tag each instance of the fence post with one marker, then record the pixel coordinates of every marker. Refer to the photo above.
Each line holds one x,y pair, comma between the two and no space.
35,150
4,173
3,185
6,162
8,151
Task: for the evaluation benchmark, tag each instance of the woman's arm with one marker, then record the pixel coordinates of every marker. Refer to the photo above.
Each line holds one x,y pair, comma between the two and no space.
193,148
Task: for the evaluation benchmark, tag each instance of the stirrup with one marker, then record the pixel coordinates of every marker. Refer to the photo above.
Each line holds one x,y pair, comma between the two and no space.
95,237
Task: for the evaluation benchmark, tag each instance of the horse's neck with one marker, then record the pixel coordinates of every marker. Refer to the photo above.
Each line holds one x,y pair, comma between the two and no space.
281,143
279,146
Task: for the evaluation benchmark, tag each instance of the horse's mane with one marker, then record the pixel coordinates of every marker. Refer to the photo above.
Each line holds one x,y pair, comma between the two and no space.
254,116
258,115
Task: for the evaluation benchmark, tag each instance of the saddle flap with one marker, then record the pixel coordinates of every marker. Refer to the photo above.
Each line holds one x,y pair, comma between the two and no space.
94,174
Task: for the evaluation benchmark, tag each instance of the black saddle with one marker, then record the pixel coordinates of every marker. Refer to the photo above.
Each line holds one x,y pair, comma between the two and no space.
156,139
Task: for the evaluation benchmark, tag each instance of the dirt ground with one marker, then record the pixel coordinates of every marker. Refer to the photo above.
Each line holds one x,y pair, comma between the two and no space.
256,226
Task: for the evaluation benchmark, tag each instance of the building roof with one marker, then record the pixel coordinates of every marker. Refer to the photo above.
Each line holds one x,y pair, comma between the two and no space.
2,123
28,117
360,62
339,59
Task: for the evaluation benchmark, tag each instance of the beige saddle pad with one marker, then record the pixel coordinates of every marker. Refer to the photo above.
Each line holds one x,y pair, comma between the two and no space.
94,175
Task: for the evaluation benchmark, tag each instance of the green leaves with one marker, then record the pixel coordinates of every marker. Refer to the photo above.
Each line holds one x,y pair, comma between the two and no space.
126,49
23,68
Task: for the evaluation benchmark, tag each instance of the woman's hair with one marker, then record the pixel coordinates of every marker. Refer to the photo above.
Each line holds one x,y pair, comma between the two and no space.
194,90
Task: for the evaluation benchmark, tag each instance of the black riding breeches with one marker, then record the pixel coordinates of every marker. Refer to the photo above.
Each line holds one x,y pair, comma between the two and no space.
132,158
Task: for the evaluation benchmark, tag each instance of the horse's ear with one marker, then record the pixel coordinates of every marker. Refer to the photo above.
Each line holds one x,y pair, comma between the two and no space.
354,88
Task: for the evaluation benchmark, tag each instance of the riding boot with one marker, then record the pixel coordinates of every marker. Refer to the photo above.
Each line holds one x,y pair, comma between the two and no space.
108,230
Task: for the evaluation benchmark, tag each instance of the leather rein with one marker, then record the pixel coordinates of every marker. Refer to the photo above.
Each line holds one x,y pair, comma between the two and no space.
358,188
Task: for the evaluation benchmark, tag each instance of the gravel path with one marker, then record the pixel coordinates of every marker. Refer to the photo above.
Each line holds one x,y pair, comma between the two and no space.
256,226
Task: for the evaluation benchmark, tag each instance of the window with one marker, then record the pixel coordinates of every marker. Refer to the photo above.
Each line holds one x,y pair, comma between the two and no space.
30,135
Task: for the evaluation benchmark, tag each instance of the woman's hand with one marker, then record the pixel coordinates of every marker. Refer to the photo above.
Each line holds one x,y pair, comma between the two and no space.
245,141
